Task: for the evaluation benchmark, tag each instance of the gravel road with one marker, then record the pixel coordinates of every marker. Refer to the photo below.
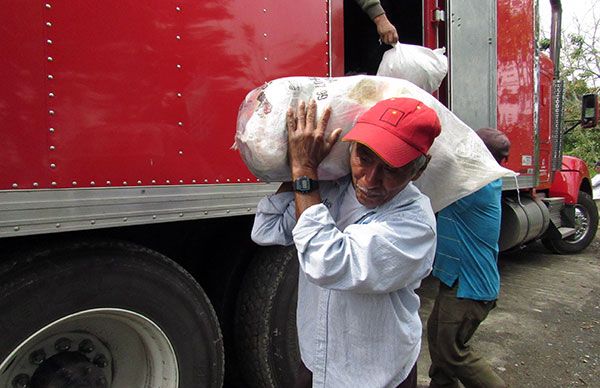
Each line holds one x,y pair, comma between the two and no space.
545,331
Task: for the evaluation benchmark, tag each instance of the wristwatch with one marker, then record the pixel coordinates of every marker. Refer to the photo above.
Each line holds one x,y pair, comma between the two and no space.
305,185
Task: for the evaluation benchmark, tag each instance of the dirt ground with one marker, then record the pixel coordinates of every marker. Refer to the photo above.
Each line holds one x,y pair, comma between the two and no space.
545,331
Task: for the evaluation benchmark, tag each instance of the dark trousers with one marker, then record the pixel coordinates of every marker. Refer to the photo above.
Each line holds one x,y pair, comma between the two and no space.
304,379
452,323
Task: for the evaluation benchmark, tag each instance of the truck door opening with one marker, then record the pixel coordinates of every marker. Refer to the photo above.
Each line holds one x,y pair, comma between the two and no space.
362,50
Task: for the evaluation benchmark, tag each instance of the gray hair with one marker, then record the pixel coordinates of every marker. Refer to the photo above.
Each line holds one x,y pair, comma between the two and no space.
418,163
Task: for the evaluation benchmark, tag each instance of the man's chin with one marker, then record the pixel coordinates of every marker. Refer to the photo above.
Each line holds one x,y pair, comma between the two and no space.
369,202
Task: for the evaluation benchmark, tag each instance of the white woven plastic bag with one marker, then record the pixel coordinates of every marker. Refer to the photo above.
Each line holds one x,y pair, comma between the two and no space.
261,128
420,65
460,164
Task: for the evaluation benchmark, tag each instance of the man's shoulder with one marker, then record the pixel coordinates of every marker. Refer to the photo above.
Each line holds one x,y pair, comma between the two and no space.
493,188
335,186
411,195
411,202
486,197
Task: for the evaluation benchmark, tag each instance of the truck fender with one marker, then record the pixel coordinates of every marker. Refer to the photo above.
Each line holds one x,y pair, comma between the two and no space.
571,179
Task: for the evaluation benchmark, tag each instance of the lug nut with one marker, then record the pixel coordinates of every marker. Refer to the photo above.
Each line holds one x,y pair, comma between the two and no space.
62,344
86,346
21,381
100,360
37,357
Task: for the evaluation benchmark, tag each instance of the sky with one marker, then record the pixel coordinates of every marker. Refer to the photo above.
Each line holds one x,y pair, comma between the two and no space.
572,9
584,12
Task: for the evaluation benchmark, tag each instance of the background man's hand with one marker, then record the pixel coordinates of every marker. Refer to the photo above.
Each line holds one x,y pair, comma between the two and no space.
386,30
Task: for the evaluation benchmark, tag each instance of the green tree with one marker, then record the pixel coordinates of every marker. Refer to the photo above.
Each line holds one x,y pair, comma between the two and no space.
580,69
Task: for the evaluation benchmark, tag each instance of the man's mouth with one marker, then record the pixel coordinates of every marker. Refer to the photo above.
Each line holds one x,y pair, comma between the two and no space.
369,193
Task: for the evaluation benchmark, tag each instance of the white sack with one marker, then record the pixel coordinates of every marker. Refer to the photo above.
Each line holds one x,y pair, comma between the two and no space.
420,65
460,164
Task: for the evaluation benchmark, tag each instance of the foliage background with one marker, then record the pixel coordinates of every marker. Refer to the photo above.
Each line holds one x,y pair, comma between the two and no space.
580,69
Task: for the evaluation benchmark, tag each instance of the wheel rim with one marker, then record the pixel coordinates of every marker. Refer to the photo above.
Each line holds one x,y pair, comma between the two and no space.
582,224
112,347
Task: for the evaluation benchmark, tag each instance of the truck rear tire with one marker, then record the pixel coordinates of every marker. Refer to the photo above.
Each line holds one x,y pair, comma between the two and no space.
586,225
112,314
265,324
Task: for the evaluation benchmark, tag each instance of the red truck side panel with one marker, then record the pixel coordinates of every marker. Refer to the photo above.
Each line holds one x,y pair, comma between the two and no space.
516,81
23,111
92,96
545,123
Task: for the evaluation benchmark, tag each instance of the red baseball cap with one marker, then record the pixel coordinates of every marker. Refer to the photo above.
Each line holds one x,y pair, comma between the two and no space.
398,130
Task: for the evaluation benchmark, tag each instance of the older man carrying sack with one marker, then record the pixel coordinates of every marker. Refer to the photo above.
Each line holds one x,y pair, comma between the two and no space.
364,243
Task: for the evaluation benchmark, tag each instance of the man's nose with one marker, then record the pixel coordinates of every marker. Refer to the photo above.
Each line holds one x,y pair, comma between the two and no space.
373,176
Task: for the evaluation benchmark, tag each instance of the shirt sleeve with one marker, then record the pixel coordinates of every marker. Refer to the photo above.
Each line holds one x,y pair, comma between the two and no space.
477,199
372,8
274,220
461,205
374,257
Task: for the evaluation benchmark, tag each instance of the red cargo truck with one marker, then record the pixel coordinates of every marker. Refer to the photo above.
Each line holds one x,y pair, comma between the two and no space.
125,216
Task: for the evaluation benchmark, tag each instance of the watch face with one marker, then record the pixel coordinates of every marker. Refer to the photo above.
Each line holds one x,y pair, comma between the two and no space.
305,185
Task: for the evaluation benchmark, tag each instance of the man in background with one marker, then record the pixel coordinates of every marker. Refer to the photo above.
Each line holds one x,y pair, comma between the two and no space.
596,184
387,32
466,266
364,45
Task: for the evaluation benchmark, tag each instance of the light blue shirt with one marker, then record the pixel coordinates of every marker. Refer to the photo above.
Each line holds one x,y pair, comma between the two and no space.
357,315
467,250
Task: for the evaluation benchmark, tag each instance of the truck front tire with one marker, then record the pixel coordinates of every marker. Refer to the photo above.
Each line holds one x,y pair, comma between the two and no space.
112,314
586,225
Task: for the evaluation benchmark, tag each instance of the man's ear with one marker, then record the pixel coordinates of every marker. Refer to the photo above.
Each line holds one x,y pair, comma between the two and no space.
423,167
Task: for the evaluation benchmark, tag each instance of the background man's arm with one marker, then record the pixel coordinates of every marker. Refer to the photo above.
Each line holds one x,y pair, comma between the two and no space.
386,30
